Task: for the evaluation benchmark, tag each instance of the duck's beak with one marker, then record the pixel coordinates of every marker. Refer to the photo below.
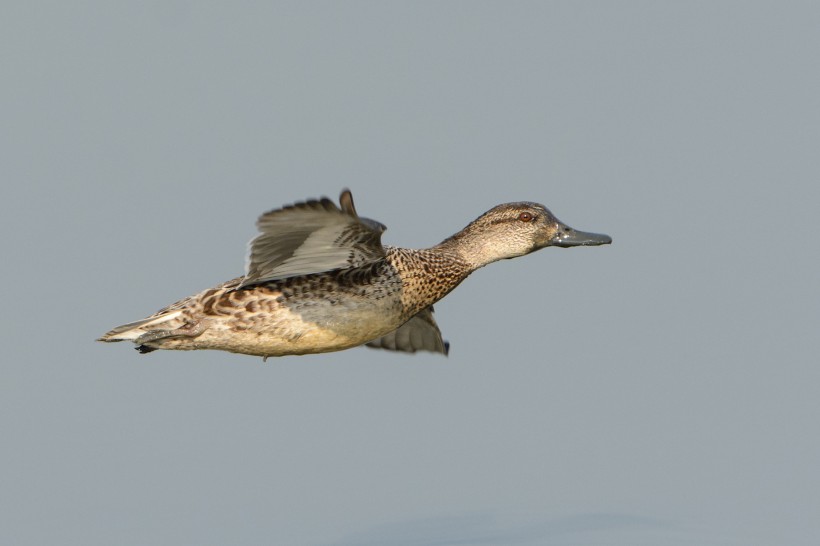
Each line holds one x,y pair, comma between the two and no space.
567,237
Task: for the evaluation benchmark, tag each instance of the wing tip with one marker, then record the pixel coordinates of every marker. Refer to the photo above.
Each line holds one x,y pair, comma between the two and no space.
346,202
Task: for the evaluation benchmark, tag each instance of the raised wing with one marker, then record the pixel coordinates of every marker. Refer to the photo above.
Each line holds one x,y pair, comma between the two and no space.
420,333
312,237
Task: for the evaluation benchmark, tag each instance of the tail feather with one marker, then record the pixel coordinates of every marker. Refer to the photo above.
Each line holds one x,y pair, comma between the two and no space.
133,330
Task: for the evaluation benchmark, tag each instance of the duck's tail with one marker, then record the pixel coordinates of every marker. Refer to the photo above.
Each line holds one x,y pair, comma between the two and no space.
133,330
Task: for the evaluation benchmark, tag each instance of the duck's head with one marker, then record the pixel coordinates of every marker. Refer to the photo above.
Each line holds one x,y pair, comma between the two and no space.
516,229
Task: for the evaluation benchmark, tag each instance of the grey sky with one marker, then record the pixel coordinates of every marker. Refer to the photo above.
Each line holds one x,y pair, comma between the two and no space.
663,390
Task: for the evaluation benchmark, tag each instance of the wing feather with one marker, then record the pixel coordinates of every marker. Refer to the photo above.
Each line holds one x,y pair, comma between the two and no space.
420,333
312,237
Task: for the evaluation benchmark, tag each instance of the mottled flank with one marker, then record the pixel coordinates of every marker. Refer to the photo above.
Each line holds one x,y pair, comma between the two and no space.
318,280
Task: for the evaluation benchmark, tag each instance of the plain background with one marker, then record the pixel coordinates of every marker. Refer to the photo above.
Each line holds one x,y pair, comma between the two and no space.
662,390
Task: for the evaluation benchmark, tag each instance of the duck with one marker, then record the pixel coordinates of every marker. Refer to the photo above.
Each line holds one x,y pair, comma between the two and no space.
318,279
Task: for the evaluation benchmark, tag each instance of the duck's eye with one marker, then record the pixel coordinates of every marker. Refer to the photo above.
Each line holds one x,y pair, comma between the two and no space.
526,217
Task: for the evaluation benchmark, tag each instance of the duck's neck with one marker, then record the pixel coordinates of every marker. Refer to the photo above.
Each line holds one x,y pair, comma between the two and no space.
472,248
427,275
